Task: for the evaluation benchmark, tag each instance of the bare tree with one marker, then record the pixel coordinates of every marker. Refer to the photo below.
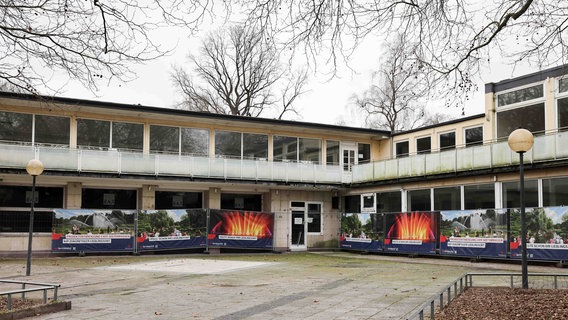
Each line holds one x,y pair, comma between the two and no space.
238,72
454,37
86,40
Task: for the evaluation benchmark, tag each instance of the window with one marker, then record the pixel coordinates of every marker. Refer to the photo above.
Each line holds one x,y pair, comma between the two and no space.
195,141
164,139
52,130
310,150
520,95
447,140
228,144
479,196
178,200
364,152
423,145
17,196
108,199
401,149
473,136
314,217
251,202
419,200
255,146
352,204
332,153
563,85
15,127
562,106
285,148
389,201
555,192
530,118
447,198
93,133
128,136
511,198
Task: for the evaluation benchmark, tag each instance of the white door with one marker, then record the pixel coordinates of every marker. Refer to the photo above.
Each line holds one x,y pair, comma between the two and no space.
348,159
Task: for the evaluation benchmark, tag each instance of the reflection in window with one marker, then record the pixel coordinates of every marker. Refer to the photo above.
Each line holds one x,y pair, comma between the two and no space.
447,140
563,85
530,118
511,198
520,95
164,139
15,126
228,144
128,136
285,148
473,136
563,113
555,192
178,200
479,196
423,145
314,217
195,141
108,199
93,133
401,149
255,146
364,152
447,198
419,200
332,152
389,201
252,202
52,130
310,150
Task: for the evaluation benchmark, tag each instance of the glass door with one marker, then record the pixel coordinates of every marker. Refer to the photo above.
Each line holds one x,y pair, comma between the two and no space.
298,227
348,159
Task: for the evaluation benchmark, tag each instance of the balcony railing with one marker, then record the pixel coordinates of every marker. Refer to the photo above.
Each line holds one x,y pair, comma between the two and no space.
491,155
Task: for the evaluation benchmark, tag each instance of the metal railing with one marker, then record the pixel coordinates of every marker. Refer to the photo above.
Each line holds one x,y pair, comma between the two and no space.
38,286
512,280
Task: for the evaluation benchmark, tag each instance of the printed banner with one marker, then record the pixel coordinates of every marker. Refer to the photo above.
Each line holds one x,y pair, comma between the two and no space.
547,233
474,233
362,232
412,232
240,229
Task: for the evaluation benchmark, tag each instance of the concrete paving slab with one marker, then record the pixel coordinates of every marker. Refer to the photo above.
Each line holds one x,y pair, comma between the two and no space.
189,266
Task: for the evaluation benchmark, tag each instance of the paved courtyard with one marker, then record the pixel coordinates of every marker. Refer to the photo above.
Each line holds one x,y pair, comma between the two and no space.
331,285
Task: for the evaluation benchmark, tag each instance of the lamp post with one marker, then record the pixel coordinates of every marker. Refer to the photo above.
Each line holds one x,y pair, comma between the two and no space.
521,141
34,169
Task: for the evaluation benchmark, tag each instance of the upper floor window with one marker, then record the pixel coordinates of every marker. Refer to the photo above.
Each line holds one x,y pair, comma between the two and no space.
401,149
195,141
364,152
127,136
423,145
473,136
563,85
332,152
529,117
52,130
520,95
16,126
296,149
447,140
228,144
237,145
164,139
93,133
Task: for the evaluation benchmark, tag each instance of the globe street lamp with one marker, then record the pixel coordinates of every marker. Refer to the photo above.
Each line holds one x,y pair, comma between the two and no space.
521,141
34,169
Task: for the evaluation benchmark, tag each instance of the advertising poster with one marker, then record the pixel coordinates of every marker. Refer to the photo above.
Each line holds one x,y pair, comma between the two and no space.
362,232
474,233
547,233
172,229
92,231
240,229
411,232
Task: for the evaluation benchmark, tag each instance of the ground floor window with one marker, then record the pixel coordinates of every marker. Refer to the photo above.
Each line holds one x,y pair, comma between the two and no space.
447,198
251,202
479,196
555,192
511,197
419,200
178,200
108,199
19,221
389,201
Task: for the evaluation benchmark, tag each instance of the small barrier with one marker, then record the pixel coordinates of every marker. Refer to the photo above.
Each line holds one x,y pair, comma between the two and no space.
37,286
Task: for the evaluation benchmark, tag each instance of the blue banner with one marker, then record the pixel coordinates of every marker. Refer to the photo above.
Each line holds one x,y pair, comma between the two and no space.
240,229
412,232
362,232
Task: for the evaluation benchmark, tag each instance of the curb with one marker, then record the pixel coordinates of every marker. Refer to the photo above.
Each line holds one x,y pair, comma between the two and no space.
37,310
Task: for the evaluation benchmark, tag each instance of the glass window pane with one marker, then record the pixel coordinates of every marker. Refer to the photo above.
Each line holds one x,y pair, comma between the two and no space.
164,139
447,140
178,200
364,152
93,133
314,217
423,145
108,199
473,136
18,196
52,130
228,144
252,202
520,95
15,127
129,136
195,141
389,201
447,198
255,146
285,148
563,85
530,118
555,192
419,200
511,198
479,196
332,153
563,113
402,149
310,150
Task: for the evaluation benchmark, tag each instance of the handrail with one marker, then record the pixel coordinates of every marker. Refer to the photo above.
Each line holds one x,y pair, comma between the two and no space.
41,287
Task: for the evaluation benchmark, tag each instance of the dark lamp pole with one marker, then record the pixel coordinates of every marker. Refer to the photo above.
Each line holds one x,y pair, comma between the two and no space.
34,169
521,141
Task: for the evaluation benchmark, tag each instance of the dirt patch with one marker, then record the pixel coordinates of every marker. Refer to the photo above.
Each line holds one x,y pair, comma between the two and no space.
507,303
18,304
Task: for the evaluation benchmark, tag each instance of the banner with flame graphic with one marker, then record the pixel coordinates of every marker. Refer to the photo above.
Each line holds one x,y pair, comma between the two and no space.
240,229
411,232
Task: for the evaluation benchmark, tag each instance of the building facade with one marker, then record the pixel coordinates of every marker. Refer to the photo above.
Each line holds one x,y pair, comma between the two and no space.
130,157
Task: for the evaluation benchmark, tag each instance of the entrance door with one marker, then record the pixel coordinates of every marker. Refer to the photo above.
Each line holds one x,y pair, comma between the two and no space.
298,234
348,159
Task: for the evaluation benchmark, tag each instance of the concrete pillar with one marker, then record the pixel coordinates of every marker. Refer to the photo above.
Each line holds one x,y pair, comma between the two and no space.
148,197
213,198
74,195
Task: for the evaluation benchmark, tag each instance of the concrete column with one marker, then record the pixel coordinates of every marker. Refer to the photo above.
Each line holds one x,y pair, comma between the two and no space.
148,197
74,194
213,198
